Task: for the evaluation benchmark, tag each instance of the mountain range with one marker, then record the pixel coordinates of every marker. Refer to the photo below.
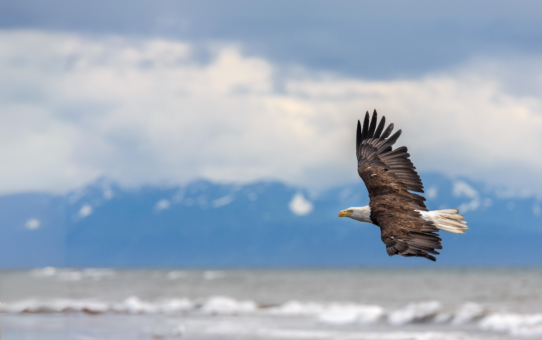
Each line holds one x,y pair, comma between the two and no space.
261,224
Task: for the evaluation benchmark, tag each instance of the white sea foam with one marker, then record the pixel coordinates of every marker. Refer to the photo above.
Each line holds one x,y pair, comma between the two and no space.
227,305
351,313
212,275
292,308
515,324
468,312
97,274
55,306
175,274
134,305
94,274
528,325
44,272
414,312
176,305
336,313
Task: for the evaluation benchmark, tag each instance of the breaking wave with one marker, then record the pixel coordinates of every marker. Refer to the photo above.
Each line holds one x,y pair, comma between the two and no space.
515,324
329,313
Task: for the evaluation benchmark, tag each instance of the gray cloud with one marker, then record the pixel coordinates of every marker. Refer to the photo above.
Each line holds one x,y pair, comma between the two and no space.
364,38
144,111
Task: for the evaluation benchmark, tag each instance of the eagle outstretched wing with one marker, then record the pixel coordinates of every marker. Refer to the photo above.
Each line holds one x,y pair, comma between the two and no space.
390,176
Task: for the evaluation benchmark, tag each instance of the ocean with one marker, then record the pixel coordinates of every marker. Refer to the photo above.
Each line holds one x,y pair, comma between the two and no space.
352,304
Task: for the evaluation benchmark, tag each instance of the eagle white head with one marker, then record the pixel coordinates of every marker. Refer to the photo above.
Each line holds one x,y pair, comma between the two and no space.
362,214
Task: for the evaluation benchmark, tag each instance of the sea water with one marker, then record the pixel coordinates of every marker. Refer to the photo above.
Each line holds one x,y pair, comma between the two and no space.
424,304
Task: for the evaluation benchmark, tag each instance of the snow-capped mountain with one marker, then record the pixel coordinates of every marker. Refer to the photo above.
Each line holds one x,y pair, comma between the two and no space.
205,224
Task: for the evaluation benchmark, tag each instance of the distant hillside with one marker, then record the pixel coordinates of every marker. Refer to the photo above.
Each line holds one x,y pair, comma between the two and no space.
259,224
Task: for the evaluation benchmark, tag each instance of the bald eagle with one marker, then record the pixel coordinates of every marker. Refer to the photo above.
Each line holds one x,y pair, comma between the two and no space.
407,227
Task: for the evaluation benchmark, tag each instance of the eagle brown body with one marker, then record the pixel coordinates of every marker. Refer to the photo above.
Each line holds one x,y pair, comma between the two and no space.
392,181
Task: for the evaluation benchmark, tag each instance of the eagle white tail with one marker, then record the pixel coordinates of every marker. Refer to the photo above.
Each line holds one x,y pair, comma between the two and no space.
447,220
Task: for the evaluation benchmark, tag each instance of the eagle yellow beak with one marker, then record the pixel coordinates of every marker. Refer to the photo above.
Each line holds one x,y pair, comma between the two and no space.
345,213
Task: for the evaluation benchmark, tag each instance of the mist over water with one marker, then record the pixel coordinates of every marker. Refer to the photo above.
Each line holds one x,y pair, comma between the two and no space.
474,303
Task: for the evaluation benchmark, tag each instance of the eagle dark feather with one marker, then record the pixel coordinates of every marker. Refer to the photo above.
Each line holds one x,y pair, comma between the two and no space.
390,177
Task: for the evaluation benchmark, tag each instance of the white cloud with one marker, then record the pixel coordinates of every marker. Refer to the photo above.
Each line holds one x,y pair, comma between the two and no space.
148,111
299,205
488,202
220,202
85,211
178,197
162,204
469,206
431,193
108,193
32,224
463,189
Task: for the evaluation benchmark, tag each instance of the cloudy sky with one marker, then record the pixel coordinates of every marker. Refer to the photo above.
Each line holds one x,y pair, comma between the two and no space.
168,92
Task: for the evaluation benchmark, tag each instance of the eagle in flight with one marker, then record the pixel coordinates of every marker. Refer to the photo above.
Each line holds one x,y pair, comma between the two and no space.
407,227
